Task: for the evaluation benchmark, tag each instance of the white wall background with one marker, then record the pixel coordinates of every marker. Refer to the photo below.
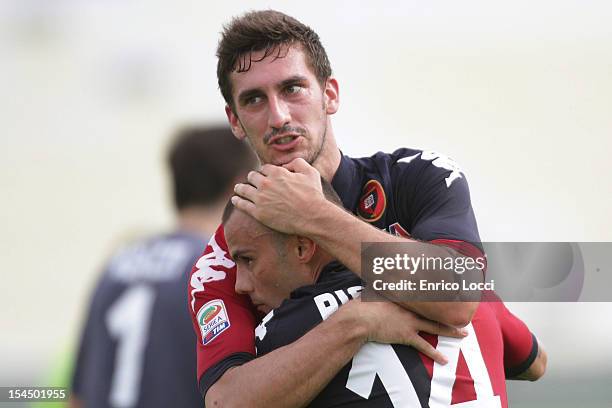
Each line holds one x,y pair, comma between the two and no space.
519,93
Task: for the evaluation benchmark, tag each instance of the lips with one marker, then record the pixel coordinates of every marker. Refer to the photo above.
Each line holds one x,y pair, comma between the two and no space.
282,139
284,142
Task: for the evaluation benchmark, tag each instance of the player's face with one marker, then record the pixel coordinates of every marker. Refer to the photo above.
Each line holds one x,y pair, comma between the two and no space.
264,264
281,108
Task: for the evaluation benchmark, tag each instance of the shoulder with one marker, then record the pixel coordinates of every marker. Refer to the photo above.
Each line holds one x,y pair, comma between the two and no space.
214,267
413,163
426,166
384,159
158,258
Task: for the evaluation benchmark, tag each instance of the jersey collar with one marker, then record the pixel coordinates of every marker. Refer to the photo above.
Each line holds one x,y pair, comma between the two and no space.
347,183
330,272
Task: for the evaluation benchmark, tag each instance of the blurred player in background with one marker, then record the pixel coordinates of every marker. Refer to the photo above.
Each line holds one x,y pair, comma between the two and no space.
138,347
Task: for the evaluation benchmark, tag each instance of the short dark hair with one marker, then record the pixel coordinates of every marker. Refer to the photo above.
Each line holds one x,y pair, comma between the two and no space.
328,191
271,31
204,161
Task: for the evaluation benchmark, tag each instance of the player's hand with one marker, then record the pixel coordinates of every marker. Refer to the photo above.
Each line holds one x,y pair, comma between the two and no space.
282,198
401,326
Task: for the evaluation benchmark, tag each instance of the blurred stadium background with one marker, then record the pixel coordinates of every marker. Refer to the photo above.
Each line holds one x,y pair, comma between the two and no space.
519,93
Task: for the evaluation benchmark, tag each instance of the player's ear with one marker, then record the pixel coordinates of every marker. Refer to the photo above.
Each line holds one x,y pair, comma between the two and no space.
305,249
331,95
234,122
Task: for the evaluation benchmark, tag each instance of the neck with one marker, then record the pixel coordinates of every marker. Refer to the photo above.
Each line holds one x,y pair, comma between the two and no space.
200,220
329,159
319,263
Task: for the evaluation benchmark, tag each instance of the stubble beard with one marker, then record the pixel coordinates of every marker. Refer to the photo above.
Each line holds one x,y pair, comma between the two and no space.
311,160
311,156
315,155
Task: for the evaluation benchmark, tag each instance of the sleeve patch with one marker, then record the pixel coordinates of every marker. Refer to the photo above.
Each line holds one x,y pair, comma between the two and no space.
212,320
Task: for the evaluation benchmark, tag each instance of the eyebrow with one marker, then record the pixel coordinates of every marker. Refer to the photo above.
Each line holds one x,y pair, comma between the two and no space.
292,80
247,93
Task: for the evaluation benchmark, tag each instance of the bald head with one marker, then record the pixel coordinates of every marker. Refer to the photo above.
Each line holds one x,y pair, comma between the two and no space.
271,264
239,222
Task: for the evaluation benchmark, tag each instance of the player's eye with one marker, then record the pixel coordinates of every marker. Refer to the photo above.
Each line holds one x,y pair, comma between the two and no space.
293,89
253,100
246,260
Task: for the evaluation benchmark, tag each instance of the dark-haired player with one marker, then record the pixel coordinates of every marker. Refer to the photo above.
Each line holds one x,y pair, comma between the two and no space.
275,77
138,347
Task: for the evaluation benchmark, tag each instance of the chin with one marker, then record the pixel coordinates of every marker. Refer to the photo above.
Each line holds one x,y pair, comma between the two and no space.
289,157
264,309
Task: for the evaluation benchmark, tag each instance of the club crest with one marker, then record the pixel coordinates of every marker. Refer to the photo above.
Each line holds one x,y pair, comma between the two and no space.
373,201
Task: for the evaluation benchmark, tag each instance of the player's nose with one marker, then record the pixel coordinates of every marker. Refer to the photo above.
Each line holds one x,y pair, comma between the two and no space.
278,113
243,284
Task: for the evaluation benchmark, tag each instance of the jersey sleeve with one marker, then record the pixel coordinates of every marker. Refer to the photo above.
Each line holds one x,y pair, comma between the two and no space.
223,320
520,345
433,199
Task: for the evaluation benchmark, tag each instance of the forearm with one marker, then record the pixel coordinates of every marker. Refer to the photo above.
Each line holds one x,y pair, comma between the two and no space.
341,234
293,375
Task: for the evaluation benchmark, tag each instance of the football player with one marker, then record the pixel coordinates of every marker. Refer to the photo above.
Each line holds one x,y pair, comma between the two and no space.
280,95
138,348
298,285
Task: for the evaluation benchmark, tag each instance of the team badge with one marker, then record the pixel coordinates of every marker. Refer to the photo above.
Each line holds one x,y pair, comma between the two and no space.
213,320
373,202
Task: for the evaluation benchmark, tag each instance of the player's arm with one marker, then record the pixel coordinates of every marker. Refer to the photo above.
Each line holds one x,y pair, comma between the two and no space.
345,244
83,361
293,375
74,400
228,374
524,357
537,369
278,194
223,321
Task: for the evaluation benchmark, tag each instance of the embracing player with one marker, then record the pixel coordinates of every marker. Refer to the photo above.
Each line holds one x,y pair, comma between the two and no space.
276,79
298,284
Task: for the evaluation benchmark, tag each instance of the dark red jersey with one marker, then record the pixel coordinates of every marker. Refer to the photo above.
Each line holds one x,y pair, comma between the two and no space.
498,346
